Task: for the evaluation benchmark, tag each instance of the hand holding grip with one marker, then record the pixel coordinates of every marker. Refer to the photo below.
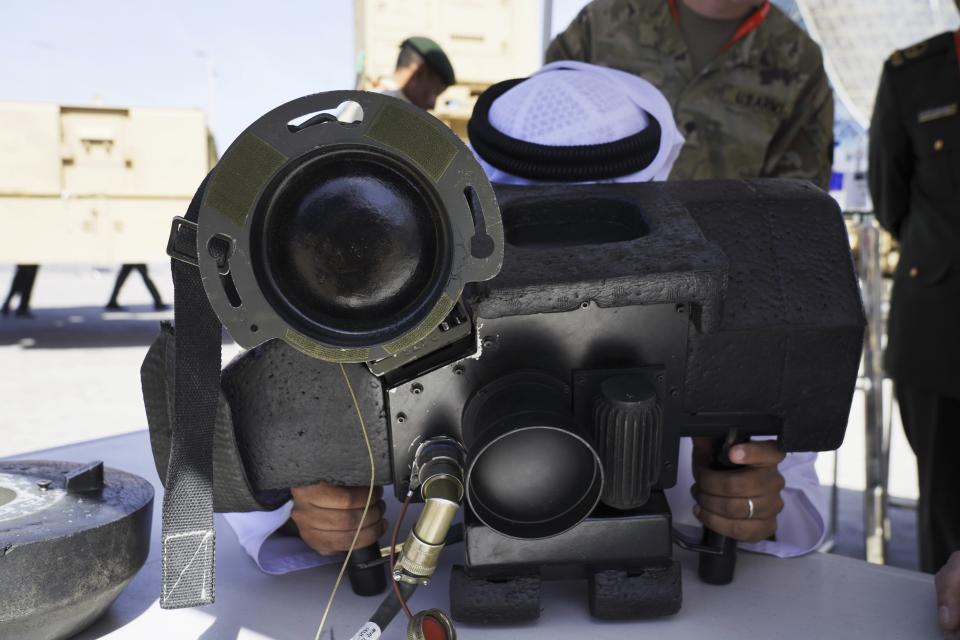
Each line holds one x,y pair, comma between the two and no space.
718,568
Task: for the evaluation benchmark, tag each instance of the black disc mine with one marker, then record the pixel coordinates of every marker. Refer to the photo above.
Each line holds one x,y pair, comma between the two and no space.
72,537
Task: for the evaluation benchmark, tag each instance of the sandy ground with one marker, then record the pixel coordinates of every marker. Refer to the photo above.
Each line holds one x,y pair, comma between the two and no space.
72,374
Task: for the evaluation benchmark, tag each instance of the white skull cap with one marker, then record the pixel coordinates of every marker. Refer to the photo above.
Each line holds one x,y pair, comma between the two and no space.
568,103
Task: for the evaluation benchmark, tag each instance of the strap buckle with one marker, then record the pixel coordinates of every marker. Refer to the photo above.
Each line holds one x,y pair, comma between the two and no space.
181,232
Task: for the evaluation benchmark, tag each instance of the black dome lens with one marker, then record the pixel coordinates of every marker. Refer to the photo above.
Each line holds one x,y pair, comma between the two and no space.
535,475
354,248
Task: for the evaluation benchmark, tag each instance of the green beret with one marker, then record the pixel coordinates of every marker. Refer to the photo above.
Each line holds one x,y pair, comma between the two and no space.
434,56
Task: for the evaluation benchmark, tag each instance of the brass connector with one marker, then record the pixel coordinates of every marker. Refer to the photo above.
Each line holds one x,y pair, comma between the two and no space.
421,551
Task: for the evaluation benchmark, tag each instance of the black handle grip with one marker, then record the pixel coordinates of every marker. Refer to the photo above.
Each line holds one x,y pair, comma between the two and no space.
367,581
718,568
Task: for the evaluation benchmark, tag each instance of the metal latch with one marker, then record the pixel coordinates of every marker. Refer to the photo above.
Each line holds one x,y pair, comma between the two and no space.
182,231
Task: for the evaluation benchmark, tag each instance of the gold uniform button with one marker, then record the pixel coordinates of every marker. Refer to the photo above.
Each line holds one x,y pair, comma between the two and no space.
913,272
938,145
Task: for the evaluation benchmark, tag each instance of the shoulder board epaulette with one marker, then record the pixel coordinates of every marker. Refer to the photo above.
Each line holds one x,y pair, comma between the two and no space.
921,50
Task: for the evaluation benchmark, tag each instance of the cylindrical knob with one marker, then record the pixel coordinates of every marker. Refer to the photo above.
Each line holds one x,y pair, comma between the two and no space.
628,427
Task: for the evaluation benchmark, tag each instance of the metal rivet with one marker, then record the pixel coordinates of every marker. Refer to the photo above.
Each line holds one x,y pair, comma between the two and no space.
938,145
458,370
416,388
584,305
44,484
681,308
401,418
914,272
488,342
674,393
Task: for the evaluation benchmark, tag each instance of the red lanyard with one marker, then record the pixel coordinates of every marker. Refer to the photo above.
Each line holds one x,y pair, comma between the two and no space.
956,43
751,23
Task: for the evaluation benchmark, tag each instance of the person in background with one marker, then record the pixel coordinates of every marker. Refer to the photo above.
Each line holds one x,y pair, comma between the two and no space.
423,72
22,287
747,85
125,270
776,506
914,180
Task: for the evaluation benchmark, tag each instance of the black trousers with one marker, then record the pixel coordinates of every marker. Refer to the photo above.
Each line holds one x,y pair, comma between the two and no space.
932,424
125,271
22,286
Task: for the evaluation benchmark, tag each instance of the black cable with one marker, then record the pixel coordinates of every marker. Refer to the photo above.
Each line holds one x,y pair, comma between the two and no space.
390,606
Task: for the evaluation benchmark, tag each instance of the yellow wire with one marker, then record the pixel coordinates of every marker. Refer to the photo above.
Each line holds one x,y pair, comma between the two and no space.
363,516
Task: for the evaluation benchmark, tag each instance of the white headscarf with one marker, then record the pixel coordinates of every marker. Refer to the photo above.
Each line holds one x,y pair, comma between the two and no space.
575,103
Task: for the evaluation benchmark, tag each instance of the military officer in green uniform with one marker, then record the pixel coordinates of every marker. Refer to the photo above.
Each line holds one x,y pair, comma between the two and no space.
915,184
423,72
747,85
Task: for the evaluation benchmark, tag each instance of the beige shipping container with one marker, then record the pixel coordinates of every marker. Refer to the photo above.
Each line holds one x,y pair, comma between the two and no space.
486,40
95,184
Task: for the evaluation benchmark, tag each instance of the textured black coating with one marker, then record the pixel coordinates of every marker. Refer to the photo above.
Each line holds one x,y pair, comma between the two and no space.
765,263
231,490
479,601
764,267
792,304
653,592
62,566
296,423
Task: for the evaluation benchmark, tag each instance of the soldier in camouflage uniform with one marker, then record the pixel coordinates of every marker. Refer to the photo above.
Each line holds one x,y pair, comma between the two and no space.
759,106
915,184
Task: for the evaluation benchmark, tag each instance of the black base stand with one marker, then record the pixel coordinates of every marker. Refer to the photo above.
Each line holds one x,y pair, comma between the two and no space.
626,556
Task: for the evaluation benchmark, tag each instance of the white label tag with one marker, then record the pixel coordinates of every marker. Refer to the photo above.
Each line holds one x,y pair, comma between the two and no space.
369,631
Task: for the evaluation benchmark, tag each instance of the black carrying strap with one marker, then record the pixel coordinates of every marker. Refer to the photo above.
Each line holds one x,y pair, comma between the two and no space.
187,537
232,489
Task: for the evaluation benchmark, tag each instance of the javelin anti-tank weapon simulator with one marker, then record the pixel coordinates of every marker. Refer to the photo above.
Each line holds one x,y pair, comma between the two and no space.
533,354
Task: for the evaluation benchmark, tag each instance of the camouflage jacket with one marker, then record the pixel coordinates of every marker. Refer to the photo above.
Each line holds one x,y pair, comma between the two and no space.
763,108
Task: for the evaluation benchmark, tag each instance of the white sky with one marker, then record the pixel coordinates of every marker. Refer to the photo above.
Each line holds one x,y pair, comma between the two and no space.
130,53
